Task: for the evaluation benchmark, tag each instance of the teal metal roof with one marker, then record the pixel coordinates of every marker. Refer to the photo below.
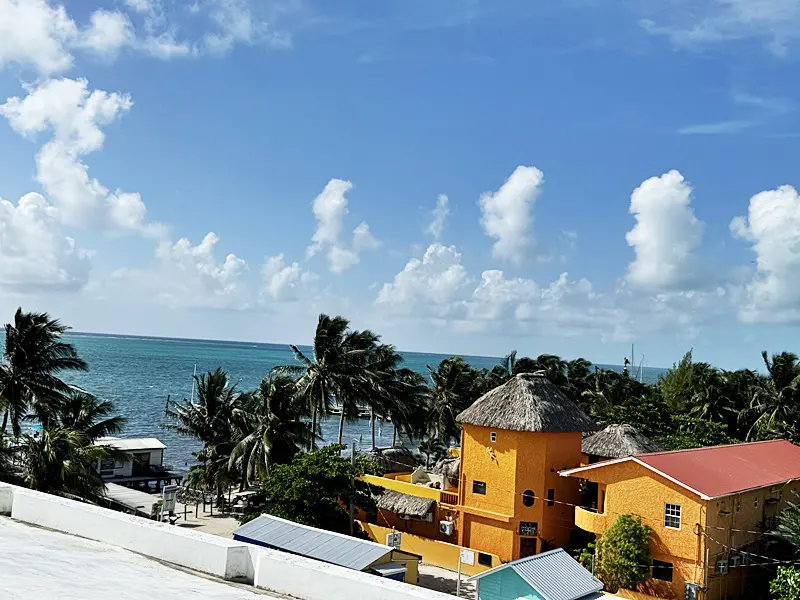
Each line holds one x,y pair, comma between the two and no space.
555,575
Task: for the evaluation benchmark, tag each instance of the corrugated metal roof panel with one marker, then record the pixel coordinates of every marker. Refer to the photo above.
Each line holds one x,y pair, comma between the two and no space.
133,499
722,470
326,546
556,576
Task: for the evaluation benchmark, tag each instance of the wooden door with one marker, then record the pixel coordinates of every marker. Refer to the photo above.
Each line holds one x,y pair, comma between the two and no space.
527,546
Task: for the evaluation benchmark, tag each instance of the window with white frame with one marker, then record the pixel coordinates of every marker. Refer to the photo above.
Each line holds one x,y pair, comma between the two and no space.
493,437
672,516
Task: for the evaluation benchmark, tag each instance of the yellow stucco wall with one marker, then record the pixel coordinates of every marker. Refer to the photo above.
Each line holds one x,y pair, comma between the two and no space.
433,552
708,528
633,489
411,564
489,535
403,486
516,462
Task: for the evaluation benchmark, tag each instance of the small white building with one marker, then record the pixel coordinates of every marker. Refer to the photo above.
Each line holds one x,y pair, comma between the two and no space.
143,461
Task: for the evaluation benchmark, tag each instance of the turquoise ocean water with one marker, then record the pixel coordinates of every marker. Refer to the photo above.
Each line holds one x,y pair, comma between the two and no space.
138,374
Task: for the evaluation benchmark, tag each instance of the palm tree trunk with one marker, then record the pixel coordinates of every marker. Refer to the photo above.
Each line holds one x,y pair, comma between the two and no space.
394,434
341,426
5,422
313,429
372,425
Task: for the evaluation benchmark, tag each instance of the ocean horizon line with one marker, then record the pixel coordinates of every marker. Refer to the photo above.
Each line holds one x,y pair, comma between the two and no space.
244,343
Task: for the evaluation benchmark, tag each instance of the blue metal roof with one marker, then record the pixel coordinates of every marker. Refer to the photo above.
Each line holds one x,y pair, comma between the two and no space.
326,546
555,575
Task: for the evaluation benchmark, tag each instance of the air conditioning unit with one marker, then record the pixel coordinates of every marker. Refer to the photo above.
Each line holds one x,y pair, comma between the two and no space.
446,527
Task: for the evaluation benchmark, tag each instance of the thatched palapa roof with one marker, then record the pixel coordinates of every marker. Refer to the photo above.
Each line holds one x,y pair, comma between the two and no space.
618,441
527,402
394,460
404,504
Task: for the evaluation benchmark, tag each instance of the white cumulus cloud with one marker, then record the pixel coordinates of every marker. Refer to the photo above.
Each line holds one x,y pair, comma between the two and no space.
76,116
330,209
34,254
440,214
283,282
772,226
108,31
666,236
507,214
191,276
435,281
32,32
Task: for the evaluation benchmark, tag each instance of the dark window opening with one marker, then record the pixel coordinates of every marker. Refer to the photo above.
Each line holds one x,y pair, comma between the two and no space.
551,497
484,559
479,487
662,570
528,497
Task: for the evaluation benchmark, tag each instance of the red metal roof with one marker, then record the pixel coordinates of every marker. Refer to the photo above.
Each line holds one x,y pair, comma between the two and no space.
723,470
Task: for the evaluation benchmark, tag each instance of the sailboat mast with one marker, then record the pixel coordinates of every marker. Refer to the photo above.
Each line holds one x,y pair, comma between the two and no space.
194,378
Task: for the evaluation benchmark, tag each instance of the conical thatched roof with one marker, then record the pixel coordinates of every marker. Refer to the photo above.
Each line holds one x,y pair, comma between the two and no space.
405,504
618,441
527,402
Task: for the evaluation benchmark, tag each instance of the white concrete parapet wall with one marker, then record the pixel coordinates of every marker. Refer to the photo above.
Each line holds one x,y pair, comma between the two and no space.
276,571
192,549
310,579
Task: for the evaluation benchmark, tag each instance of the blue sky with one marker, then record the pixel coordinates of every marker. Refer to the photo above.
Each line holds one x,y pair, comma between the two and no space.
231,168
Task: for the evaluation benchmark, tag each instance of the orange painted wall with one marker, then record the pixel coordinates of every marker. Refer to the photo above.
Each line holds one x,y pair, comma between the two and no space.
516,462
487,535
563,449
633,489
493,463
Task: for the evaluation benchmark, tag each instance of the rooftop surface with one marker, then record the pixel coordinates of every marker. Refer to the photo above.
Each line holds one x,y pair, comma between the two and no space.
555,575
36,563
720,470
130,444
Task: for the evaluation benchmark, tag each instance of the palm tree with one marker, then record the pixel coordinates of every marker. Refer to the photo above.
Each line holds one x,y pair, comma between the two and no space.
62,461
409,393
33,357
431,447
270,426
335,370
776,400
788,528
210,420
452,392
83,412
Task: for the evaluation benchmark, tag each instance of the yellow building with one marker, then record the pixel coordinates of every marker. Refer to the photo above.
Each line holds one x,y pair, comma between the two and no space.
708,509
507,500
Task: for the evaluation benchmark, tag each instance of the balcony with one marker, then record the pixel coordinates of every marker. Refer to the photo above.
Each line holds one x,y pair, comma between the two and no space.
411,489
589,520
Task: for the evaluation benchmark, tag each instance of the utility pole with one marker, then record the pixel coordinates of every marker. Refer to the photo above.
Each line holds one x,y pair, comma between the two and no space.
352,487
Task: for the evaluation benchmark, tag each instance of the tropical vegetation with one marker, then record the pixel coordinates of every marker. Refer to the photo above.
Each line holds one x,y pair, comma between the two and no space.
316,486
786,585
248,437
59,456
623,554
